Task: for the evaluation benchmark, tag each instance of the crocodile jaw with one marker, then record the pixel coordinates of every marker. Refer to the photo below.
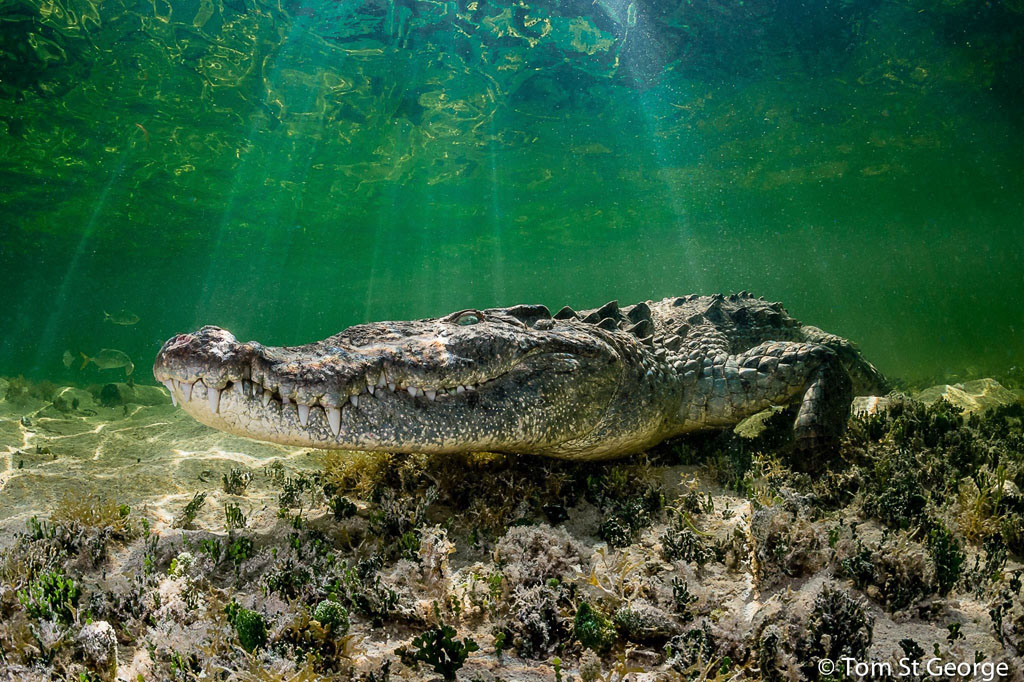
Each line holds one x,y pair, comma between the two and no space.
366,423
530,392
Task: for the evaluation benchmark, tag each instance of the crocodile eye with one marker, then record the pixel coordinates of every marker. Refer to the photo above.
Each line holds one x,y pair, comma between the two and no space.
466,319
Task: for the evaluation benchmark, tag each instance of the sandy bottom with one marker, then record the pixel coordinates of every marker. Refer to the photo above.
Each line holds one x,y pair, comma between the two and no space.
151,456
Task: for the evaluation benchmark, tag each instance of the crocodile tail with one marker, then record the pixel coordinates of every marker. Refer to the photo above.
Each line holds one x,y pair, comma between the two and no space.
866,378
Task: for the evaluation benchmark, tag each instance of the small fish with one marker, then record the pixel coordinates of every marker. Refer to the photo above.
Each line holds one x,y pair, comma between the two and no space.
592,148
69,359
123,318
108,358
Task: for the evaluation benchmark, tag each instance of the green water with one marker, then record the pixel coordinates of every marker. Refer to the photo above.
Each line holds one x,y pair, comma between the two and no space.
285,170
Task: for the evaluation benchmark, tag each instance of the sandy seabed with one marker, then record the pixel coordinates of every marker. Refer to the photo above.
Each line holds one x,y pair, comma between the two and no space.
710,584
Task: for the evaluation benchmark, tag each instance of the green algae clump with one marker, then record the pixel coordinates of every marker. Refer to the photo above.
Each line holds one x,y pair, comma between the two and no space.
592,629
51,596
250,626
332,615
438,648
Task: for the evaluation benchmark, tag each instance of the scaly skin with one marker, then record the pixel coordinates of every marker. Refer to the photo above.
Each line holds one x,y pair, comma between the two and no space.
590,385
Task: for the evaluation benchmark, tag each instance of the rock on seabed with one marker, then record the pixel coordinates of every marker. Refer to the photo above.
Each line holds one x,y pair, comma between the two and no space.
971,396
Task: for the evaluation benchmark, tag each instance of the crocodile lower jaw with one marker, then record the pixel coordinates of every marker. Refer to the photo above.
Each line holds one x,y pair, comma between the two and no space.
245,408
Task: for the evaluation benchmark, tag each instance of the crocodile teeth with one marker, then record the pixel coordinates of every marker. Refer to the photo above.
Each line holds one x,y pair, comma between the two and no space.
460,389
267,395
213,398
381,380
354,399
371,389
413,391
186,389
303,413
170,387
334,419
391,386
430,394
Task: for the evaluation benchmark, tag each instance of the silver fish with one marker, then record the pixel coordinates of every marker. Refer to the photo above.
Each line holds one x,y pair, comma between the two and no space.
124,318
109,358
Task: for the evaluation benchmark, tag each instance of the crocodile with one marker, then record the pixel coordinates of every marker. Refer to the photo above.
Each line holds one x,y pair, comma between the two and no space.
580,385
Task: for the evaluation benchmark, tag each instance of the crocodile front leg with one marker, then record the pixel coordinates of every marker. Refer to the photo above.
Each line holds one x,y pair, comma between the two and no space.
733,387
810,373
